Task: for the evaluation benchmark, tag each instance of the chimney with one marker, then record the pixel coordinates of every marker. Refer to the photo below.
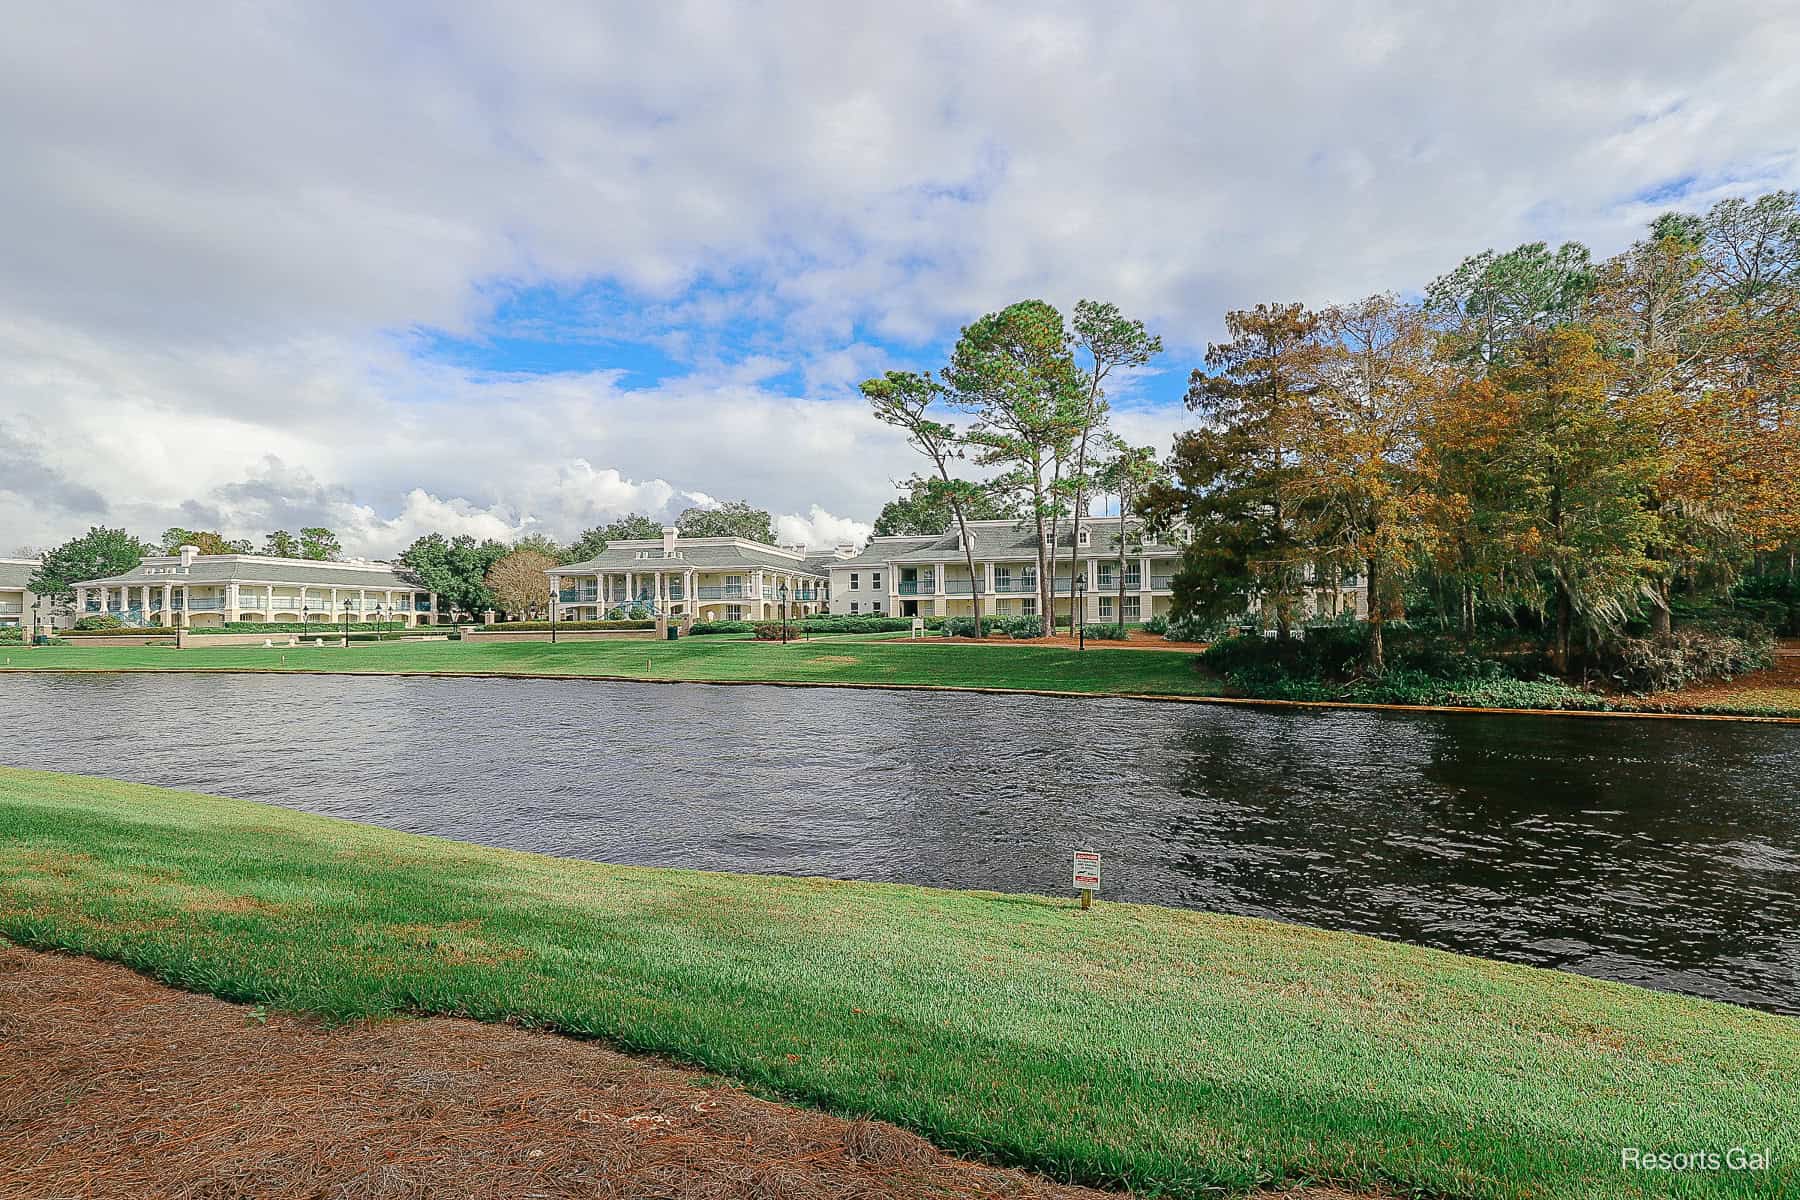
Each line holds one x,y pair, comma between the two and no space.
846,549
189,554
670,533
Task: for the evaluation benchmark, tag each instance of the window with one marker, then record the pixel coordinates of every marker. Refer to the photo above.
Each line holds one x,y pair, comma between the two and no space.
853,581
1106,603
1028,607
875,580
734,612
1002,578
875,607
853,606
1086,536
1132,609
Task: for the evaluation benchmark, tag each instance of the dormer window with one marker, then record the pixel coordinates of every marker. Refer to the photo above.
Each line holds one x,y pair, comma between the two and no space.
1085,537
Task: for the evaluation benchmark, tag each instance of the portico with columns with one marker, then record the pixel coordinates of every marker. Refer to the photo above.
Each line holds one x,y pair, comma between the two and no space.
195,590
705,579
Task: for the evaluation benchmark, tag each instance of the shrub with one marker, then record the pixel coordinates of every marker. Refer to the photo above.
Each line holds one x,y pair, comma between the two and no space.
702,628
1107,633
121,631
11,633
565,626
1157,624
1686,656
775,631
319,627
859,623
1025,627
99,621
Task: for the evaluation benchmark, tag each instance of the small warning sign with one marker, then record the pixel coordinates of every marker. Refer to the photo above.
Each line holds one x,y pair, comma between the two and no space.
1087,870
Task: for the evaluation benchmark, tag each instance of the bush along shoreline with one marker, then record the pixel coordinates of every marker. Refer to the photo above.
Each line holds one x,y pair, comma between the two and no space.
1326,665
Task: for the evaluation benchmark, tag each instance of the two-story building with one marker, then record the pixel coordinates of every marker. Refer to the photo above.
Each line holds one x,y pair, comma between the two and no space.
708,579
16,597
197,590
929,576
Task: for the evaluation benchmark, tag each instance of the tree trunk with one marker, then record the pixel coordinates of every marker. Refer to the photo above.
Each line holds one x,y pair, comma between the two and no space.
1121,609
1661,619
1564,624
1377,661
1046,580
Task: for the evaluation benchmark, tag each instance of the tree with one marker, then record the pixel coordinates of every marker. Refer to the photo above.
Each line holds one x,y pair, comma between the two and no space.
1129,472
320,543
734,519
543,543
1238,471
1112,342
455,568
1361,473
520,581
1015,371
593,542
207,542
97,554
1569,470
904,400
281,544
1492,299
925,511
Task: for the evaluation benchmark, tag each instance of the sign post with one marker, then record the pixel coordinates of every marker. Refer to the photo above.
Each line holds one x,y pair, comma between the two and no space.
918,627
1087,876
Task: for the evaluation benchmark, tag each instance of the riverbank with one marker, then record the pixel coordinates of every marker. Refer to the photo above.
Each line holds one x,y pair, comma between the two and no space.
1001,667
1166,1050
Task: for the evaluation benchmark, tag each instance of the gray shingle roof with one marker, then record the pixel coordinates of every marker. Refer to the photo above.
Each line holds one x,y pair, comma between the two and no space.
16,573
242,568
700,554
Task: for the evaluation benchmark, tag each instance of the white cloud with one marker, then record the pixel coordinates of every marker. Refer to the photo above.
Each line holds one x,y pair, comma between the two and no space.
220,219
819,529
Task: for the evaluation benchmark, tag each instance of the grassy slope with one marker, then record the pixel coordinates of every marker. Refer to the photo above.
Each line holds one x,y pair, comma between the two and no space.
708,658
1165,1049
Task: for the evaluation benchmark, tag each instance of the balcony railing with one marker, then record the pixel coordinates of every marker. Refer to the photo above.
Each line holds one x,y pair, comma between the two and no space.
205,604
724,593
1134,581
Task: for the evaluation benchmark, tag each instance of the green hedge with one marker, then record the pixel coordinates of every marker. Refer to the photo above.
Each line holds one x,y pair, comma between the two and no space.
564,626
319,627
120,631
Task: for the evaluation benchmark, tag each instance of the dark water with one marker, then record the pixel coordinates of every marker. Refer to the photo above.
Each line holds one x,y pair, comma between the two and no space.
1660,853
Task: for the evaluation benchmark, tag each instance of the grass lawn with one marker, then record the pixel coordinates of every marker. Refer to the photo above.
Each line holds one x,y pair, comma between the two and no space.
1165,1050
875,660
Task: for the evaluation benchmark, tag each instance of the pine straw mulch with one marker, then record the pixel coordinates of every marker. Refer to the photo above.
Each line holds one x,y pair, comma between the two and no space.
114,1086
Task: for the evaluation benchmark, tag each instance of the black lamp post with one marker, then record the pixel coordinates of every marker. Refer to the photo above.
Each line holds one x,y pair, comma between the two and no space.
37,606
1081,605
347,608
783,592
555,599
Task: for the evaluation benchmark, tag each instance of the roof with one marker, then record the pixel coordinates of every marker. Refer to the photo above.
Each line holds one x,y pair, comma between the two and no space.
16,572
882,550
257,568
1007,539
700,554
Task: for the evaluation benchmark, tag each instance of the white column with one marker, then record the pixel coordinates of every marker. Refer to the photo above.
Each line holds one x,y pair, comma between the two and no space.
231,602
168,605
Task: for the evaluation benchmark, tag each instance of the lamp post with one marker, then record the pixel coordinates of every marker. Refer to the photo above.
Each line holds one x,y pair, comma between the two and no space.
555,597
783,593
37,606
1080,606
348,604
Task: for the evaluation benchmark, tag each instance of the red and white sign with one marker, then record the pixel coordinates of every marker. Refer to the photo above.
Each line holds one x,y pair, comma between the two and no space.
1087,870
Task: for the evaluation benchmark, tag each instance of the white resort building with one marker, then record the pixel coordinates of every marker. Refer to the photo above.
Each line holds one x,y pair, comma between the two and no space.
707,579
16,597
929,576
208,590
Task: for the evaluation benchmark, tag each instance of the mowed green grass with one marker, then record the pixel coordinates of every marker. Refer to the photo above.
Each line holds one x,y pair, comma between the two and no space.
704,659
1168,1051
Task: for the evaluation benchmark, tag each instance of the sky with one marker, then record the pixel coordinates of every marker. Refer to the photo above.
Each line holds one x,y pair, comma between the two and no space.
502,269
